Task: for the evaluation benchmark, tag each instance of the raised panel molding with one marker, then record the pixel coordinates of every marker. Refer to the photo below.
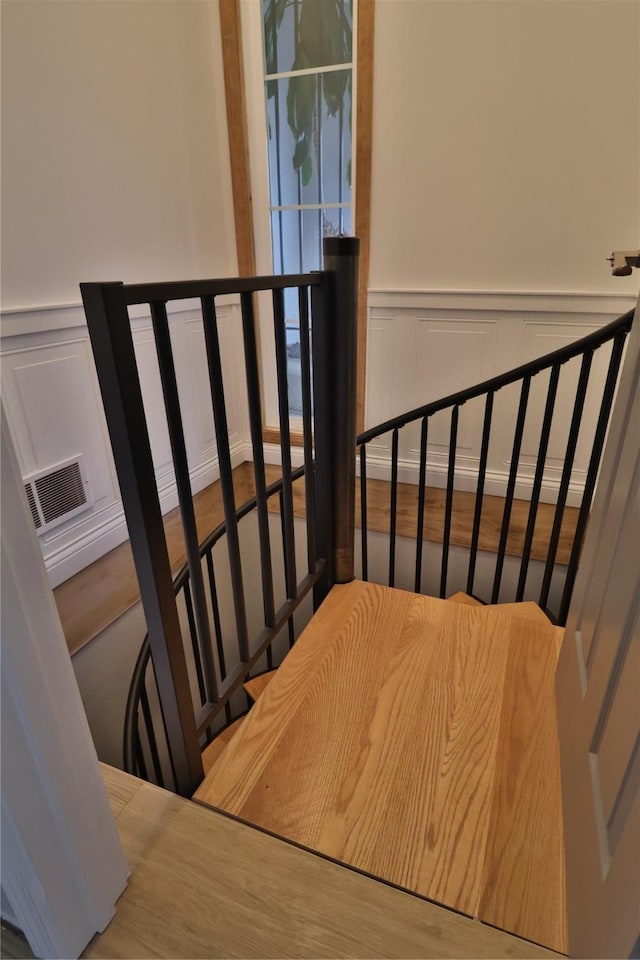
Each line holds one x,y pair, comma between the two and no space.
426,344
46,354
460,352
47,388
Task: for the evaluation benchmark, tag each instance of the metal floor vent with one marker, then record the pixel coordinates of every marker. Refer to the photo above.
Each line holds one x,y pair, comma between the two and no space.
58,493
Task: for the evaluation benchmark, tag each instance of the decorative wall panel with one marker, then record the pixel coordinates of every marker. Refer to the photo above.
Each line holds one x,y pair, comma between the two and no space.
424,345
54,408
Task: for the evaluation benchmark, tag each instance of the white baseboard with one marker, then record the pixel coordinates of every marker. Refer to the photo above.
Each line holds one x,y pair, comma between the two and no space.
466,478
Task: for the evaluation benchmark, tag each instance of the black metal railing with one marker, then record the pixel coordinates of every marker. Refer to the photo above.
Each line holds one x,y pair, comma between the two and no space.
146,749
583,350
168,670
188,677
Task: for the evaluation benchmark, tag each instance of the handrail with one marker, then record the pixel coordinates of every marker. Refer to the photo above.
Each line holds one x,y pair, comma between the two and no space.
585,349
162,292
530,369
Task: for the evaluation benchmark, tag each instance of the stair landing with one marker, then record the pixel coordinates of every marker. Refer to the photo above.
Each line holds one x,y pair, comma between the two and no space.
416,740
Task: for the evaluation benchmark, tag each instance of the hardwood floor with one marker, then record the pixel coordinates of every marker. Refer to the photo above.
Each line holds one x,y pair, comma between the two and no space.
415,739
203,885
92,599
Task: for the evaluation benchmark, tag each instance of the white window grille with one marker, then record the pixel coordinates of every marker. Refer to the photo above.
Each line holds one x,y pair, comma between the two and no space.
307,87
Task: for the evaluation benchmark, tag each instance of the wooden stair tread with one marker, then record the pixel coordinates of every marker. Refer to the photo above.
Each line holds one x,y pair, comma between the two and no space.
371,715
461,597
214,750
524,608
237,892
258,685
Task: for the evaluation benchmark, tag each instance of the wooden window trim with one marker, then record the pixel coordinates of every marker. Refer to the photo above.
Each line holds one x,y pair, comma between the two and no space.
235,98
241,177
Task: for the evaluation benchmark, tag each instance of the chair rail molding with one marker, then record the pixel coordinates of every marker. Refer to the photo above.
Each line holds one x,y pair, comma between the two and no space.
612,304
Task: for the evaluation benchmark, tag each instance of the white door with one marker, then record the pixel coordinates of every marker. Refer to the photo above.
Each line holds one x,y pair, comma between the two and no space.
598,692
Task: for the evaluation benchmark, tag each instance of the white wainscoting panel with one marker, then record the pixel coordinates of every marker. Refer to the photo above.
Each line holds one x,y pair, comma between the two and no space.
461,352
52,399
53,404
424,345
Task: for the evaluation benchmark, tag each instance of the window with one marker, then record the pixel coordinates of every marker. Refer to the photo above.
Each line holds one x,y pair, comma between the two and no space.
291,72
307,86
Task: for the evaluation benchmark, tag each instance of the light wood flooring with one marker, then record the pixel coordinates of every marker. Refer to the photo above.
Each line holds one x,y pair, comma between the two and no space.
91,600
416,740
203,885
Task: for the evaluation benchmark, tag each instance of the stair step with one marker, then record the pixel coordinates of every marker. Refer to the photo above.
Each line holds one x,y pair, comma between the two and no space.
257,685
308,733
214,750
524,608
461,597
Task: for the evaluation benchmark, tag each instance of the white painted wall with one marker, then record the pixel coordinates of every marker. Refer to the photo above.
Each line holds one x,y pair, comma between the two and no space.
115,167
506,144
114,147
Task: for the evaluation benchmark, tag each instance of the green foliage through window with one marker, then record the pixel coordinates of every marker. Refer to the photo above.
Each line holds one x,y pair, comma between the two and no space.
322,37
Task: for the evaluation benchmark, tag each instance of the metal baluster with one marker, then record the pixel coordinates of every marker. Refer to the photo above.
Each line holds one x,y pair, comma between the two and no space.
307,429
172,765
393,508
422,483
537,479
169,382
285,446
255,424
213,592
511,485
283,528
151,737
572,442
446,536
482,471
193,634
322,417
592,473
140,761
363,511
214,360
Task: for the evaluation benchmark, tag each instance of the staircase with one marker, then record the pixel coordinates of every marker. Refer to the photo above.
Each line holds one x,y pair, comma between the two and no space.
408,737
414,739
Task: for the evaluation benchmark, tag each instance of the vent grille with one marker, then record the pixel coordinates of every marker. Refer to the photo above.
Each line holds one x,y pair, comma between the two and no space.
33,505
57,494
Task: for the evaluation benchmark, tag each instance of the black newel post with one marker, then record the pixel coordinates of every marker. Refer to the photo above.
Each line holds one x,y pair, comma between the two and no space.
341,256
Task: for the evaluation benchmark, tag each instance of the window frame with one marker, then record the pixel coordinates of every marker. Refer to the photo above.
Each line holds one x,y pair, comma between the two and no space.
242,48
